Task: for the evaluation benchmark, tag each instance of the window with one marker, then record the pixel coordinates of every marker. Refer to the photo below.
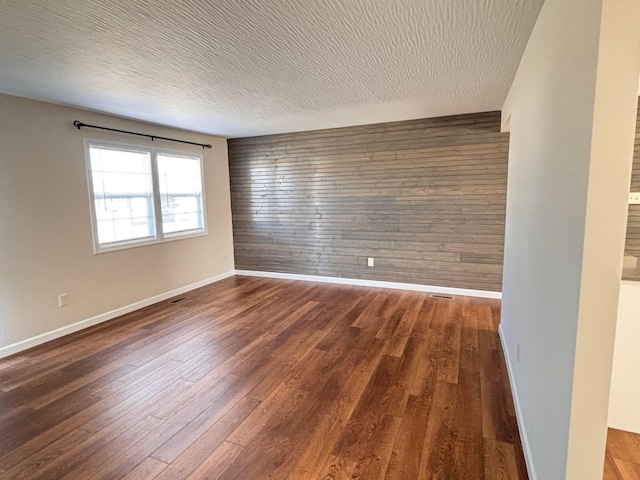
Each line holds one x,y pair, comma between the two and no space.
180,184
141,195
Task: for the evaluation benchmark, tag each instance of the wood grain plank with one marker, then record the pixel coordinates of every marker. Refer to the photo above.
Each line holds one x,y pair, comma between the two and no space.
611,471
632,244
407,450
199,452
350,378
265,378
623,445
500,460
29,467
438,448
39,427
147,470
433,180
116,437
628,470
215,465
372,463
337,468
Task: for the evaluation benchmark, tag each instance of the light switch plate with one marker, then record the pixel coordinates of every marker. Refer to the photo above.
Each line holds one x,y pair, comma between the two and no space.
634,198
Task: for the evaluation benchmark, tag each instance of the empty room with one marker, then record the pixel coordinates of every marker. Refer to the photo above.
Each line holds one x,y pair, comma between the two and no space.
346,239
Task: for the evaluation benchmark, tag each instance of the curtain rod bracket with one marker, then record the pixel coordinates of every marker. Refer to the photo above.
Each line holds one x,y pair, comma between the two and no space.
78,125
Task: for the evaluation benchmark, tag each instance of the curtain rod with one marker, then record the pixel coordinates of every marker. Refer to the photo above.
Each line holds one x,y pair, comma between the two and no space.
79,125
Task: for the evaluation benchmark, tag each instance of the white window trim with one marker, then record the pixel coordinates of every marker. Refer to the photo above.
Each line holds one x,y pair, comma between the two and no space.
160,236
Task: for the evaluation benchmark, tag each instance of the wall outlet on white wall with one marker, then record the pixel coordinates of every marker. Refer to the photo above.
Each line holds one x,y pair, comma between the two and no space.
62,300
370,262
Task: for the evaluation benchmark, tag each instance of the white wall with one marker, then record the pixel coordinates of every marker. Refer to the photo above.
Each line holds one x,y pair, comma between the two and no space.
572,120
624,405
46,245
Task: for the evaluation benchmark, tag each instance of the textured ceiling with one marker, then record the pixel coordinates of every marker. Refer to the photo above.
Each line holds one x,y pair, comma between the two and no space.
239,68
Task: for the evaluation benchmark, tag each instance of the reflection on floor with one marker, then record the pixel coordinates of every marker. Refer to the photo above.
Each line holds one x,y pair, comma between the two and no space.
622,460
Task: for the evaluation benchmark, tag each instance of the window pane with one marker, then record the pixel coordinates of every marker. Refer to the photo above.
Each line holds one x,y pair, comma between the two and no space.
180,182
104,159
123,194
112,182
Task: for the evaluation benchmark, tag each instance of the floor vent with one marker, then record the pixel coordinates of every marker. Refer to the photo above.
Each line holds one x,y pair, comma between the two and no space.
177,300
439,295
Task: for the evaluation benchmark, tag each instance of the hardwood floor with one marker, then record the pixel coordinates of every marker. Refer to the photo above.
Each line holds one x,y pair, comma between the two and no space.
622,460
255,378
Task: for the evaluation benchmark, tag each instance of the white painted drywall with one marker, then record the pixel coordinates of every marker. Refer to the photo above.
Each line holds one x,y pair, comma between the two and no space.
624,405
612,145
46,245
572,120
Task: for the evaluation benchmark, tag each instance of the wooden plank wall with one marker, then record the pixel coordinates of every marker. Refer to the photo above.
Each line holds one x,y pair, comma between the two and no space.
426,198
632,246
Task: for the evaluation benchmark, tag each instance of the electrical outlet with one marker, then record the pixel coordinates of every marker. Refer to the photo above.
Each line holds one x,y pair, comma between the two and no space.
62,300
518,353
634,198
370,262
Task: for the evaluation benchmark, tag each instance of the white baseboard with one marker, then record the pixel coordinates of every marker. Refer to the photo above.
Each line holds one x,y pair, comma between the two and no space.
89,322
528,458
103,317
374,283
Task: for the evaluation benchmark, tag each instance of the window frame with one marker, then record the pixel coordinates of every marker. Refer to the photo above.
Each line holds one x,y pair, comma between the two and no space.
160,236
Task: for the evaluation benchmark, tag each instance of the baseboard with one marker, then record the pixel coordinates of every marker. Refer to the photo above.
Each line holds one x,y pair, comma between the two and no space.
374,283
528,458
89,322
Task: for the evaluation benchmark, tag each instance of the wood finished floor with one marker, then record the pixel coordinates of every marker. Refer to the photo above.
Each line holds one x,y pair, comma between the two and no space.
622,460
254,378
